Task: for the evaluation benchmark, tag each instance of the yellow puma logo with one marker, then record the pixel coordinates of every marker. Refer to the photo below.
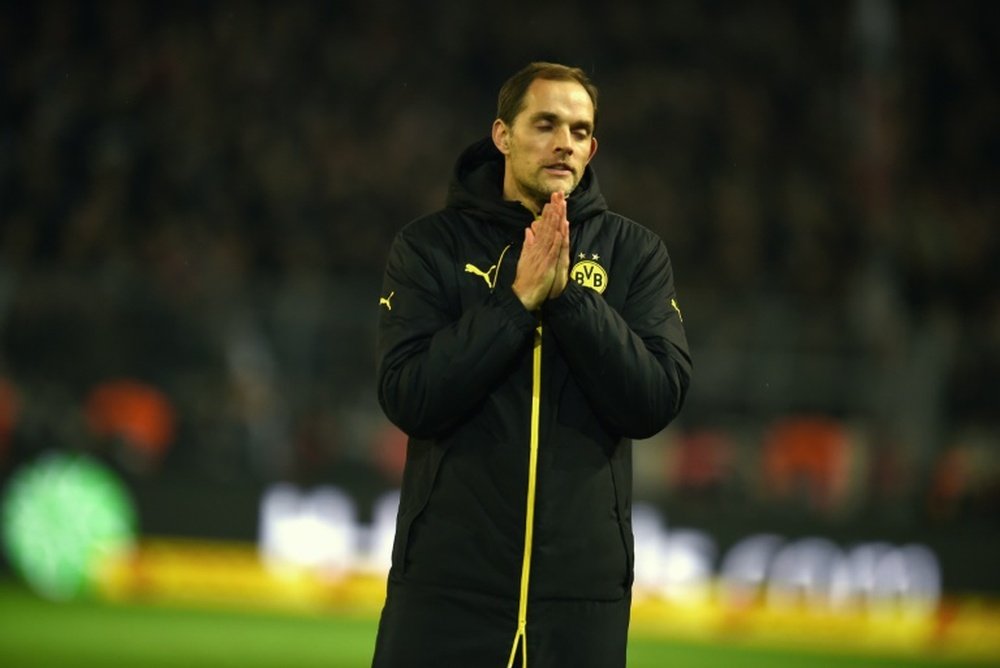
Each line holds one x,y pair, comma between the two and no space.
673,302
485,275
490,275
384,301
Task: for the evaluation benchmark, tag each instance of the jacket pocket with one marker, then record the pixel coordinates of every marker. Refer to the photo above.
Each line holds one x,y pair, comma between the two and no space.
621,478
615,453
418,483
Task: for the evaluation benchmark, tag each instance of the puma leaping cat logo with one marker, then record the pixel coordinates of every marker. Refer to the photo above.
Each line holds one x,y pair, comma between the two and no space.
384,301
485,275
490,275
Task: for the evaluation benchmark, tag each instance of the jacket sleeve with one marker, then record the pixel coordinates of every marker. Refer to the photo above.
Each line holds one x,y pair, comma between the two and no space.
634,366
434,362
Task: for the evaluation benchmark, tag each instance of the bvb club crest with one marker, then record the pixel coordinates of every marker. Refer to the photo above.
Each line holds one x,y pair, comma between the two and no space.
589,274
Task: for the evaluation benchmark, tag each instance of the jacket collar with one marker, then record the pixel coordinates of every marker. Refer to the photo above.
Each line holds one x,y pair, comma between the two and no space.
477,187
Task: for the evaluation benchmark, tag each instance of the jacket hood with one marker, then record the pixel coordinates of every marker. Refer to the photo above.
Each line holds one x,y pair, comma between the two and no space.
477,187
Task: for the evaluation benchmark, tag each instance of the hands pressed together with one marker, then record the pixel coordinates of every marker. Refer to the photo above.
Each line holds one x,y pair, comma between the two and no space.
543,269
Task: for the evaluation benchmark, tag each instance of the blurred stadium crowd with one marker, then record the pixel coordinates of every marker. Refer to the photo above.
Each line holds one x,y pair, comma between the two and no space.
196,200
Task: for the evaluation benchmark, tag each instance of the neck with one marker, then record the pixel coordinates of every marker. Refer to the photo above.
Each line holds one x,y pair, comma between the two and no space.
528,204
512,193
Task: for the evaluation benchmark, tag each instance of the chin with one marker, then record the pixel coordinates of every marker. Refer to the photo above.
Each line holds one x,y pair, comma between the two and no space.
560,186
566,189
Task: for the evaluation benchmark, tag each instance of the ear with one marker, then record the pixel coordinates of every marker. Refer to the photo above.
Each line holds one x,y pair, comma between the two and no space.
501,136
593,148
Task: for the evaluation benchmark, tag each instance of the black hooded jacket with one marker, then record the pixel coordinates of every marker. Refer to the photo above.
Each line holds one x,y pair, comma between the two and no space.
520,424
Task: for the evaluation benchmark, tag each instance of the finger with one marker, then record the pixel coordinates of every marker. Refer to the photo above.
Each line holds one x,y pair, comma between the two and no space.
555,247
555,229
558,214
547,215
545,226
565,242
529,236
558,201
542,236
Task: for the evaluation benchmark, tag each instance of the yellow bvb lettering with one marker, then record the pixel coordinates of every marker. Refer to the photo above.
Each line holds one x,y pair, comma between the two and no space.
590,274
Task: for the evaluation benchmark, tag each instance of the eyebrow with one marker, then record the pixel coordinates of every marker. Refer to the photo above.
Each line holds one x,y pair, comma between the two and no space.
554,118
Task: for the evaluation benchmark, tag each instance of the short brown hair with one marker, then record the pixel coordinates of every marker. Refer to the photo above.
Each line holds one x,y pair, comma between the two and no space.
510,102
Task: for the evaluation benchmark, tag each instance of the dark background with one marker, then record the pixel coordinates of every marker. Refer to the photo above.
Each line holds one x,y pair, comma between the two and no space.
198,198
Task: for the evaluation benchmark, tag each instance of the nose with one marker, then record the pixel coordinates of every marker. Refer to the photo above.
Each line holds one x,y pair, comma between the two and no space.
563,142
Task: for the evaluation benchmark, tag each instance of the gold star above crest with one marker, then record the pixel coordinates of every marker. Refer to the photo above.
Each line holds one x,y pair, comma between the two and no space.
595,256
582,256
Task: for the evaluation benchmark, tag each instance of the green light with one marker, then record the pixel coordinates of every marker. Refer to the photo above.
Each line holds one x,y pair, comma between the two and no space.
60,516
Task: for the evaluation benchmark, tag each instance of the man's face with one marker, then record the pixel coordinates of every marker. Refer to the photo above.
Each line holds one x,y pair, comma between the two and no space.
549,143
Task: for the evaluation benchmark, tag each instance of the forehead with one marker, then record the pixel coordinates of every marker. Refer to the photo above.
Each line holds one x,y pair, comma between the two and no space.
566,99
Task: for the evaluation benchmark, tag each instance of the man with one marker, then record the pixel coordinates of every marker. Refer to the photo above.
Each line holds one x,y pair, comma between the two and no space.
526,334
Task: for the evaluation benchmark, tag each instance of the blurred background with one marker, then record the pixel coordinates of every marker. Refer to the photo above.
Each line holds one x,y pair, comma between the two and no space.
197,200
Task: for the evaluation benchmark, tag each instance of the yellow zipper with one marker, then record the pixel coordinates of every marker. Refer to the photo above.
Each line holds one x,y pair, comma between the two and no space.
521,636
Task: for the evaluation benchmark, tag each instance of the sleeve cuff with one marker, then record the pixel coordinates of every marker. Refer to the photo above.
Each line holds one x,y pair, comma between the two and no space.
570,301
512,307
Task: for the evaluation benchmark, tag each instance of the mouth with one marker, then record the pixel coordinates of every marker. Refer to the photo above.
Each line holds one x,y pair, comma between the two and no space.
558,169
